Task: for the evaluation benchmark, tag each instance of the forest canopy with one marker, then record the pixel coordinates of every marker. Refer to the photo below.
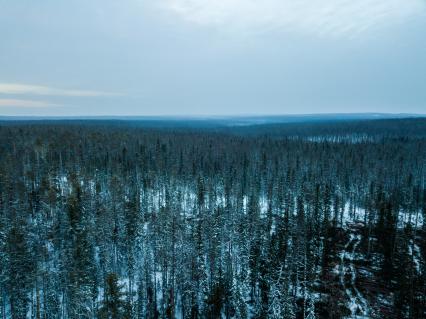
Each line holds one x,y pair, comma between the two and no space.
124,219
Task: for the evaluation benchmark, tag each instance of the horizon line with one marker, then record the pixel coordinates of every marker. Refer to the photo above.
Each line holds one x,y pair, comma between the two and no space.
369,115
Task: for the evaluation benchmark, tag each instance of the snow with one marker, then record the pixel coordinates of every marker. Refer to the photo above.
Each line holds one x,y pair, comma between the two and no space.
416,255
358,305
263,206
404,218
348,138
349,217
414,220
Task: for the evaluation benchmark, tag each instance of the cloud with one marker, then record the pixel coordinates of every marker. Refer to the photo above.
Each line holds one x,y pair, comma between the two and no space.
25,103
320,17
18,89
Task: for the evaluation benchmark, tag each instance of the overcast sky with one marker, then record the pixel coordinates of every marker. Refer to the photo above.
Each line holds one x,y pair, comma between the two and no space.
211,57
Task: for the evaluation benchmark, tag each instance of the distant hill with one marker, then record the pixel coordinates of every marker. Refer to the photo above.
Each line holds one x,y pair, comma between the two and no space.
214,121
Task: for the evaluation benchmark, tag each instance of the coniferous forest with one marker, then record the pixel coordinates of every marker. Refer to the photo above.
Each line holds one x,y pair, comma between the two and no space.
124,219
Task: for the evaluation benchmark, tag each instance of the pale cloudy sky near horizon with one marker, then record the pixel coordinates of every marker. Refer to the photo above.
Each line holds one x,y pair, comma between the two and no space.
211,57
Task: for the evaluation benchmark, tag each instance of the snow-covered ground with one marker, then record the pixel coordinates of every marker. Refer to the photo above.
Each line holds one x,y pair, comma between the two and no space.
404,218
416,255
357,304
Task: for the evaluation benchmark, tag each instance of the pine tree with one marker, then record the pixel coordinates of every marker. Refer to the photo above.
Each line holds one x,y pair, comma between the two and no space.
114,305
310,310
20,270
81,271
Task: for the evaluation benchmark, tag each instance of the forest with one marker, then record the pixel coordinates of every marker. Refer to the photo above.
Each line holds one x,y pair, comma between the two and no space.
119,219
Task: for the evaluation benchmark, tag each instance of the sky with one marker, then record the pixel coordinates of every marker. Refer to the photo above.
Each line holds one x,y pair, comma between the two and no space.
211,57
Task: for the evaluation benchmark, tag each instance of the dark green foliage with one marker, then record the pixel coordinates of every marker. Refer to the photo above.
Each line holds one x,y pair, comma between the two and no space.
114,305
20,268
116,220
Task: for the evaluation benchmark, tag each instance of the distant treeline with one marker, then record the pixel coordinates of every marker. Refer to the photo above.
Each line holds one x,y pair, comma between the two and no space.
398,128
